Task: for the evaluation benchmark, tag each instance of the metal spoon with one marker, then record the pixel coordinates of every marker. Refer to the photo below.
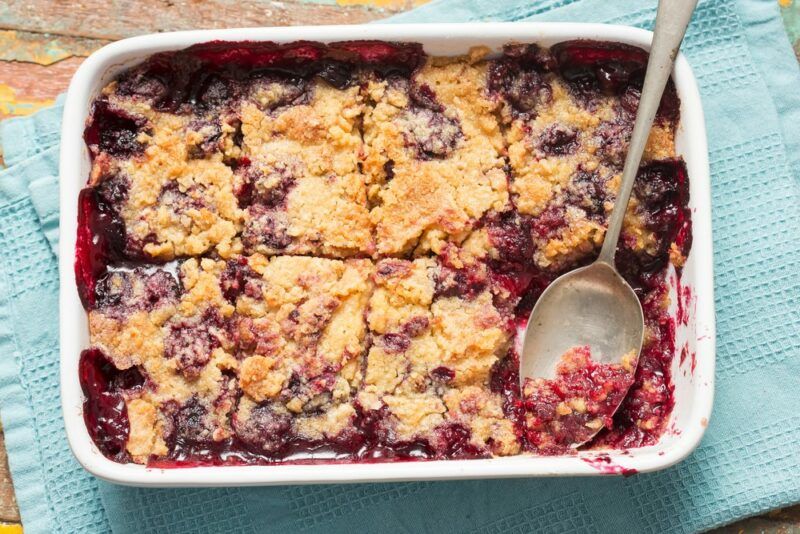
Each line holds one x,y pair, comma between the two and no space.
594,305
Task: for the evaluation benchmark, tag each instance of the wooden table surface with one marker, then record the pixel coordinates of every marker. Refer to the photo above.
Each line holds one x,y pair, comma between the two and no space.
42,42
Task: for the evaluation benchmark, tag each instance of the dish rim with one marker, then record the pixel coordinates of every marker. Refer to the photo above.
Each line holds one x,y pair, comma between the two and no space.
73,161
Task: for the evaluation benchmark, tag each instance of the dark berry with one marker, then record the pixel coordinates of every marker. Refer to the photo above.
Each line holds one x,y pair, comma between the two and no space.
373,424
104,408
104,222
442,374
599,66
209,91
120,292
557,140
388,170
243,186
269,189
551,220
110,196
191,341
663,193
190,428
152,84
101,235
237,278
113,190
657,185
337,73
265,228
587,191
415,326
113,131
517,77
537,282
523,90
465,283
629,101
91,251
393,342
160,288
265,430
530,56
384,57
423,96
613,137
453,440
640,269
211,138
526,90
431,133
510,235
160,80
504,380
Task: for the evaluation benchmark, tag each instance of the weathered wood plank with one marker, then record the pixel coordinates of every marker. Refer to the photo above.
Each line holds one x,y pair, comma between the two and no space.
43,48
117,19
786,521
27,87
8,504
392,5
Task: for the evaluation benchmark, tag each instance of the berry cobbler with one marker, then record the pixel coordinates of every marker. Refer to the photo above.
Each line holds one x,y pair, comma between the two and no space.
306,252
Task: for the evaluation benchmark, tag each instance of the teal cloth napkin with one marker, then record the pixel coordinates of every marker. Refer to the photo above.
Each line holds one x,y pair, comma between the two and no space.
748,462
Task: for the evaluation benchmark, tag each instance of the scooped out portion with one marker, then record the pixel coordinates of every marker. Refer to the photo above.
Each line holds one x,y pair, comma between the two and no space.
566,411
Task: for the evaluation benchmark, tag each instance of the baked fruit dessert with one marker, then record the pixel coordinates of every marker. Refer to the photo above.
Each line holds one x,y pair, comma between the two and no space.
568,409
311,252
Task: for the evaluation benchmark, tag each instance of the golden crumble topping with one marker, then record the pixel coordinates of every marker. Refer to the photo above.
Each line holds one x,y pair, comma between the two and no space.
307,194
299,328
430,359
173,198
433,156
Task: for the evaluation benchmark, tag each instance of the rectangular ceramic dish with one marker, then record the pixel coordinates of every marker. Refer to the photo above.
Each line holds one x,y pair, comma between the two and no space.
693,371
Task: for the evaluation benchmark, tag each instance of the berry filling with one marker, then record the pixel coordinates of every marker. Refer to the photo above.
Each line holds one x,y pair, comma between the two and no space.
104,410
518,77
208,76
566,411
611,69
113,131
426,127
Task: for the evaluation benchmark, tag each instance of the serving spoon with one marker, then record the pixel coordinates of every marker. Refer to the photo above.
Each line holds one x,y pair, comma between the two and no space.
594,306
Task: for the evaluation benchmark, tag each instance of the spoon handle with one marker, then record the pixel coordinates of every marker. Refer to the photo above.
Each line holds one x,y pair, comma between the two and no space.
671,21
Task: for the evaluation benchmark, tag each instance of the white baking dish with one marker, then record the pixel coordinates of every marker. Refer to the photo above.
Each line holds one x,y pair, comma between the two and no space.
694,389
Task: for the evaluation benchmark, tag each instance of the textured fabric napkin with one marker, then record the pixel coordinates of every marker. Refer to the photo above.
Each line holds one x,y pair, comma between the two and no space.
748,462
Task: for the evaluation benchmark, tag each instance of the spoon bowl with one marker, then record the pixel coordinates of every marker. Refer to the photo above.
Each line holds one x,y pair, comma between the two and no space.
591,306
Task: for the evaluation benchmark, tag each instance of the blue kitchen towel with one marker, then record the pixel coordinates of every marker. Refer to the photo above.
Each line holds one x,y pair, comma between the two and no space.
748,461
